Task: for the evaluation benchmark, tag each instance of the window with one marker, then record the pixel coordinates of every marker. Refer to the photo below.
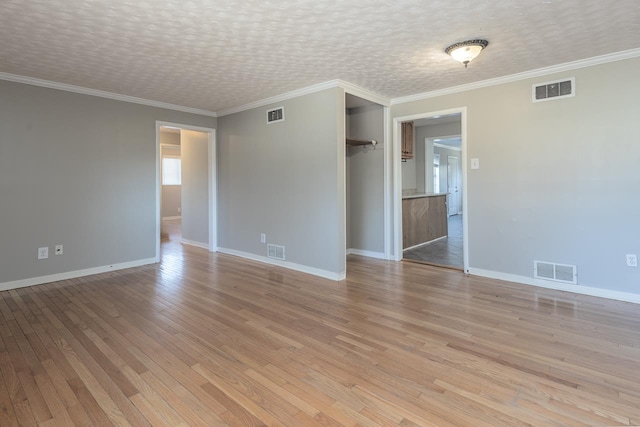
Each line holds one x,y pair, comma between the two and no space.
436,173
171,171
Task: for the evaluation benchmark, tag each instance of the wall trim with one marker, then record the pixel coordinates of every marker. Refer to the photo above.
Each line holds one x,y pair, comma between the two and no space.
279,98
102,94
194,243
285,264
369,254
576,289
539,72
363,93
168,218
74,274
348,88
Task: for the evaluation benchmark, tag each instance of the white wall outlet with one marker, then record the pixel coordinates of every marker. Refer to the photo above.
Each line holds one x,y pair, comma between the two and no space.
475,163
263,238
632,260
43,253
179,210
58,250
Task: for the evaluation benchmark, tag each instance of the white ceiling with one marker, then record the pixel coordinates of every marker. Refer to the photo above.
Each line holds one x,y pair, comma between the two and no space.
215,55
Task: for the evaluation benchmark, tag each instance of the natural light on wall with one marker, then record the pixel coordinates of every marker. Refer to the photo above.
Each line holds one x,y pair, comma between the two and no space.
171,171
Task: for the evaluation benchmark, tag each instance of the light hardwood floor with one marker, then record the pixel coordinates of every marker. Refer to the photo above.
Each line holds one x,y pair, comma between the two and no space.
206,339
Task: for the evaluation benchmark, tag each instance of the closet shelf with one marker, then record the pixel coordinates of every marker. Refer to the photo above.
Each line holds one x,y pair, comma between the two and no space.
354,142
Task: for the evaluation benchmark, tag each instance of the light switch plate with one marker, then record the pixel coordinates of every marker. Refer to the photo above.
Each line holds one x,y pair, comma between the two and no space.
475,163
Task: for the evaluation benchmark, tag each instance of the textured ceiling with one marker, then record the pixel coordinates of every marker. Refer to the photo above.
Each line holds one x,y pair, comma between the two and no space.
214,55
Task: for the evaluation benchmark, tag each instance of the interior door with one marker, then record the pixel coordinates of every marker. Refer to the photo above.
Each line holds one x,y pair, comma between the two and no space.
453,185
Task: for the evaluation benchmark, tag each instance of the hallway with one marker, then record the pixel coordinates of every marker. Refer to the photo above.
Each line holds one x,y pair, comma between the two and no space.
446,252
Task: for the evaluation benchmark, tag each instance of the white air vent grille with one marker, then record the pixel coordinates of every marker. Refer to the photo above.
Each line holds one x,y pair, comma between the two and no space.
554,90
556,272
275,251
275,115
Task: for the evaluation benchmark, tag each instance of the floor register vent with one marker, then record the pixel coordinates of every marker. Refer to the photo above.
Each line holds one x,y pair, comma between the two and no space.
275,251
554,90
557,272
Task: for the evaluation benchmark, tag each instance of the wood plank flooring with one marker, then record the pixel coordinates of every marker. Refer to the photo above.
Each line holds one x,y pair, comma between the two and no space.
205,339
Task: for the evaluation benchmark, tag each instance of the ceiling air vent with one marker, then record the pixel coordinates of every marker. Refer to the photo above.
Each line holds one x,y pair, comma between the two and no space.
275,251
556,272
554,90
275,115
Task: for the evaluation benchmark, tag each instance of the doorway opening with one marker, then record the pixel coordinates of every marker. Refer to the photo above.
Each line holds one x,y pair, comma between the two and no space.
430,220
364,177
185,188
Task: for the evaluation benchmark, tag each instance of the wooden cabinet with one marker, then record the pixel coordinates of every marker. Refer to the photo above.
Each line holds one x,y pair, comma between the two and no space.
407,140
423,219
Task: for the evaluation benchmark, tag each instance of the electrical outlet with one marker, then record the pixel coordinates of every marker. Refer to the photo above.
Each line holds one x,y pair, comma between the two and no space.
58,250
43,253
632,260
263,238
179,210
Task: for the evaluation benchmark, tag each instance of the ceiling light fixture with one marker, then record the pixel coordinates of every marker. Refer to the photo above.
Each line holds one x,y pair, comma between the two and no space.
466,51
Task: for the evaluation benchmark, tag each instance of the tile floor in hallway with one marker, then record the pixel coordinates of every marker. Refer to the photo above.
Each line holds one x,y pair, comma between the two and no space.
447,251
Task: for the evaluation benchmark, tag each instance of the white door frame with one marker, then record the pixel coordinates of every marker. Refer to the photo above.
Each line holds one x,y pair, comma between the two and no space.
396,180
213,184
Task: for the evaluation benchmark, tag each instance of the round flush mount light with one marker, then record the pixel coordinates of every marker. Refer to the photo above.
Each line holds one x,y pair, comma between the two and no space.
466,51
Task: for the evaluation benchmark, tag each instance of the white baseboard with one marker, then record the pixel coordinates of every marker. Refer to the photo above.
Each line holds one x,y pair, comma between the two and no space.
290,265
425,243
168,218
74,274
576,289
370,254
194,243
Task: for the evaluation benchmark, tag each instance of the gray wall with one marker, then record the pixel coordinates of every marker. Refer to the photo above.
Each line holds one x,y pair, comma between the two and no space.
365,172
80,171
285,179
559,179
195,186
171,194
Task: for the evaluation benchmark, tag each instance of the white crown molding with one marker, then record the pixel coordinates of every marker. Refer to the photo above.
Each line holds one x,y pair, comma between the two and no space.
560,68
348,87
286,264
576,289
74,274
102,94
279,98
355,90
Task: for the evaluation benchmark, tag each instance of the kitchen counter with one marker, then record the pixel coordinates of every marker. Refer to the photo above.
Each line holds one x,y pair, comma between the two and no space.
419,195
424,218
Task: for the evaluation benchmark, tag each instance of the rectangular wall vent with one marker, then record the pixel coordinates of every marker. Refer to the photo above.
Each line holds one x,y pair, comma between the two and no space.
556,272
275,115
554,90
275,251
